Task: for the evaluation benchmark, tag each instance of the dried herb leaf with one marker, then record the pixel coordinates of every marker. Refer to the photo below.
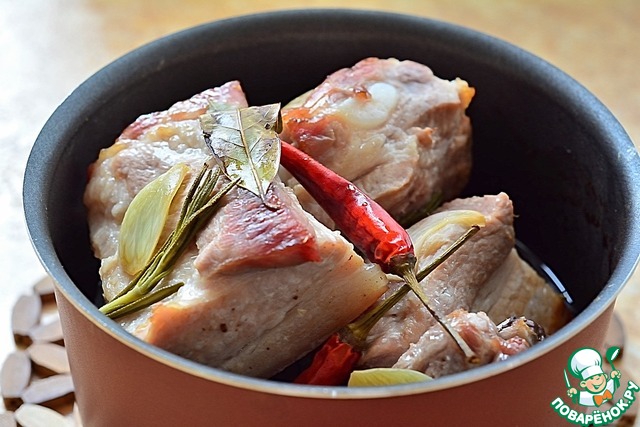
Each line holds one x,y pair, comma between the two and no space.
145,219
245,142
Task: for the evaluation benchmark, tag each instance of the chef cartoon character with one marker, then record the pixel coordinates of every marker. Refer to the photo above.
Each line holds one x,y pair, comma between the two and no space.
586,365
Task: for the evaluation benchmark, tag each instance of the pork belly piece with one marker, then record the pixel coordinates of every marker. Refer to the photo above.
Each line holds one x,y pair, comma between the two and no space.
391,127
266,295
247,234
453,285
262,287
485,274
436,354
515,289
230,94
521,327
146,149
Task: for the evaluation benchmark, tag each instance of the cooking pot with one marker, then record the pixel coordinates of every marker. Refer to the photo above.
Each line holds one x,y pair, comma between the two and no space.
540,136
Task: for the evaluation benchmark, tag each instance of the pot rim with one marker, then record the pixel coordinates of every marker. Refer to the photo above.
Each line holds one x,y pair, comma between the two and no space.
42,160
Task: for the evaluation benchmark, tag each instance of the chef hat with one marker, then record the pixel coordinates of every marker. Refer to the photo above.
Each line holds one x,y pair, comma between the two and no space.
585,363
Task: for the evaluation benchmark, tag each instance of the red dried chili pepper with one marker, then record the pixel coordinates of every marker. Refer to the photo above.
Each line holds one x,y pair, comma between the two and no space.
337,358
332,364
361,219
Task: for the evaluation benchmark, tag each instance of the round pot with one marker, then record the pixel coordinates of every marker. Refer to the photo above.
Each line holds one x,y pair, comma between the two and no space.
565,161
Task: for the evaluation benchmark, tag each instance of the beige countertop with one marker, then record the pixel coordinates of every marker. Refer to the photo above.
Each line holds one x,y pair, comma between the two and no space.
48,47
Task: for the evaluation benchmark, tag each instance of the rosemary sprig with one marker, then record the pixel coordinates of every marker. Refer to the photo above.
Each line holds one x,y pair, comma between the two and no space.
199,205
145,301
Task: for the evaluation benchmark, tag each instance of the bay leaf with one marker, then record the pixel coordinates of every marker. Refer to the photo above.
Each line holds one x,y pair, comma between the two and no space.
245,142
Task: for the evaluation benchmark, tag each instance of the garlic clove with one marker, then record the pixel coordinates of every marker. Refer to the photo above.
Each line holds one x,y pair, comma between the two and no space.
145,218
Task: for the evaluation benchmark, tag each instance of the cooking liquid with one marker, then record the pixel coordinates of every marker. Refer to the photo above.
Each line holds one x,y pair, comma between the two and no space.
544,271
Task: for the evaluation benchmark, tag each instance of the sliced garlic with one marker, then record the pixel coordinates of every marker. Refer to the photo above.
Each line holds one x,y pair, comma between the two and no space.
145,217
423,233
367,112
385,376
29,415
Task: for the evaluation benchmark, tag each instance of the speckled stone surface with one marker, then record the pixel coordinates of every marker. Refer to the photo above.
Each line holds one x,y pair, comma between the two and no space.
48,48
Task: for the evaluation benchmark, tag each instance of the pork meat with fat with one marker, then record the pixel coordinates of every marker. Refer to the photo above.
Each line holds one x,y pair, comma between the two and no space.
436,354
391,127
485,274
516,289
262,287
268,287
146,149
454,284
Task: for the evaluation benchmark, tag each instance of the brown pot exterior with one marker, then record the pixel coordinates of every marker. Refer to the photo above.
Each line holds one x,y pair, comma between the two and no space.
117,386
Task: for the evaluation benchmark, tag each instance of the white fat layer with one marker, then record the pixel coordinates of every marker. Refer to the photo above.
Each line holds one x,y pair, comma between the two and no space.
372,111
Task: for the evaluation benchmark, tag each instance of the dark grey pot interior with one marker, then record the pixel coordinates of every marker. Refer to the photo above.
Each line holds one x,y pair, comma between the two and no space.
563,158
